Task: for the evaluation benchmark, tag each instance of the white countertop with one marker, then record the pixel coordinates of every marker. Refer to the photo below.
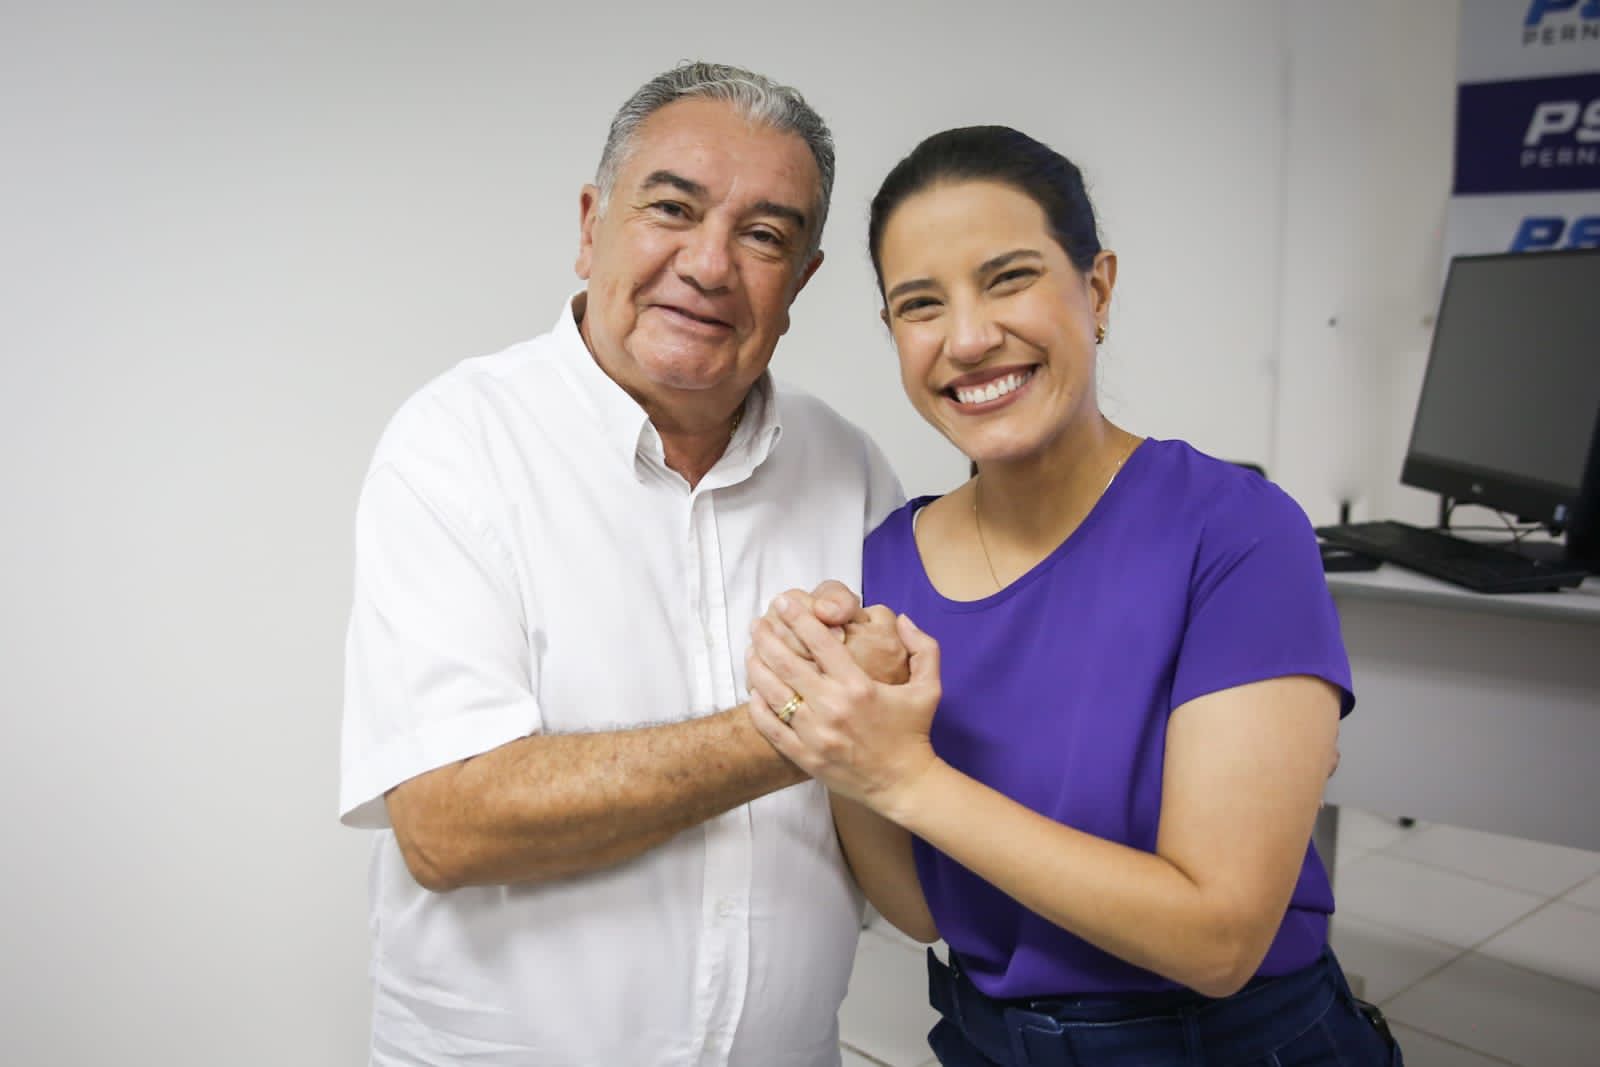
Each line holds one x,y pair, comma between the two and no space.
1389,582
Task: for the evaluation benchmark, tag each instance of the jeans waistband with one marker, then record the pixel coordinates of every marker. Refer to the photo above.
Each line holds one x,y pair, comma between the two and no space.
1109,1032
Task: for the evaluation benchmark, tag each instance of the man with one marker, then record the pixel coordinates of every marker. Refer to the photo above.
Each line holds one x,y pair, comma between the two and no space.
588,854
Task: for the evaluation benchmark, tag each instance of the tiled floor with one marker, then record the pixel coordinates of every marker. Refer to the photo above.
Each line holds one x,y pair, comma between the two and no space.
1482,950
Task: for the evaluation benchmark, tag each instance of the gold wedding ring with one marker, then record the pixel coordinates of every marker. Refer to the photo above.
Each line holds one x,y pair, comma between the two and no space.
786,712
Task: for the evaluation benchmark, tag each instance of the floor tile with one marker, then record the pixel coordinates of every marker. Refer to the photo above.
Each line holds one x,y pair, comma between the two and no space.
1426,901
852,1058
1534,866
1586,895
1559,939
886,1014
1385,960
1504,1011
1425,1050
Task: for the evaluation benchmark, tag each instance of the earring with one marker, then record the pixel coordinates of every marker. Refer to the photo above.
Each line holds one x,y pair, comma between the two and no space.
1100,333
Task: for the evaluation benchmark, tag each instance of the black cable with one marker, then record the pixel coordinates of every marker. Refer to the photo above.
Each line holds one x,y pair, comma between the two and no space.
1518,531
1526,528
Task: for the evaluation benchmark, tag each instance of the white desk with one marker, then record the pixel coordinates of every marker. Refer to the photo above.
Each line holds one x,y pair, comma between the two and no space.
1478,711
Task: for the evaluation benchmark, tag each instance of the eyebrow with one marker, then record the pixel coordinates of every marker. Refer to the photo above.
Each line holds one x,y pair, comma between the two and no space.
782,211
693,188
988,266
677,181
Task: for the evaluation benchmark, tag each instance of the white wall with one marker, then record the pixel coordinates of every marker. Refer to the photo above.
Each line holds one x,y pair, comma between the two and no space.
1370,113
235,238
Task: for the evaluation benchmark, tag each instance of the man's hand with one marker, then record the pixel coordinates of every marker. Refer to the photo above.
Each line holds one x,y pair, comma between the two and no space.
868,633
833,604
874,641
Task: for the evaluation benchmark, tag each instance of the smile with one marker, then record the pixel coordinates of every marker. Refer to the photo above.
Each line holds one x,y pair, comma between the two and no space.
691,317
982,394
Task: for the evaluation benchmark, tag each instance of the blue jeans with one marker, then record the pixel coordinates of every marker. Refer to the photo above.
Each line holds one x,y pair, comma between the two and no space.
1305,1019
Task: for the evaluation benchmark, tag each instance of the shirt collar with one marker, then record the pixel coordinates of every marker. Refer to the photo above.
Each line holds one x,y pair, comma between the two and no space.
628,432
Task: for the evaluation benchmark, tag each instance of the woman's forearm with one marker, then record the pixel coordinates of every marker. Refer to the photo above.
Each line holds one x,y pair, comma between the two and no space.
1133,904
879,854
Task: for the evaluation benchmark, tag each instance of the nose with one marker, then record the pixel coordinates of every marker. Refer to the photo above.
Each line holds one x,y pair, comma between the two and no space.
973,333
704,260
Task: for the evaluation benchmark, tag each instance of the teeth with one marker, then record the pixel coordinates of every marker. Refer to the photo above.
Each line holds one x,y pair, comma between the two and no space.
993,390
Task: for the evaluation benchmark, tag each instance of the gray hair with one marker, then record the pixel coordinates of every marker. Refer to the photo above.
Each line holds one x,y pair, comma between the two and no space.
757,98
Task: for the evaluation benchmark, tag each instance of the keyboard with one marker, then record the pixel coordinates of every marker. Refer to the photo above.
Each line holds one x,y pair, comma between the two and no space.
1479,567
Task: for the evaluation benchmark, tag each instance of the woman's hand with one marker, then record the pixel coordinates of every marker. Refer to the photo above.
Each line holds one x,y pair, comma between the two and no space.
862,738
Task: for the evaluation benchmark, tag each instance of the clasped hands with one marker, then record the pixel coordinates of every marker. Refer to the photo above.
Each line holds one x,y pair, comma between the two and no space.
867,683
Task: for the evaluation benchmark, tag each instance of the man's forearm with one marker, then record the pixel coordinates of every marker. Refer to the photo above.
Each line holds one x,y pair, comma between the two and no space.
555,805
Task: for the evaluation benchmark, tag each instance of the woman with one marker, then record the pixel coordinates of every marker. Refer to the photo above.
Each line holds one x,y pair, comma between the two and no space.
1134,658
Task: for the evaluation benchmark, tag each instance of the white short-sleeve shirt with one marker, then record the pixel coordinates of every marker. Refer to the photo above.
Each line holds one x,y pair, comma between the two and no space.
526,563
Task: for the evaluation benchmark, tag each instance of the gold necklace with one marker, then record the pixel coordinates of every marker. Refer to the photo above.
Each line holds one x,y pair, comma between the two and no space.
977,521
977,518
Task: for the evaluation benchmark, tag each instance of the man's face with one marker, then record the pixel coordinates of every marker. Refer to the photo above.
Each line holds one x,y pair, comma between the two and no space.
693,264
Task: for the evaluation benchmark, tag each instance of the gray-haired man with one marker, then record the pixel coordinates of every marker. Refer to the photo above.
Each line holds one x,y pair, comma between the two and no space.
588,855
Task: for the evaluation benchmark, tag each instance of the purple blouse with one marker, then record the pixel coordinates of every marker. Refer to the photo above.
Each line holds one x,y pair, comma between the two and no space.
1191,575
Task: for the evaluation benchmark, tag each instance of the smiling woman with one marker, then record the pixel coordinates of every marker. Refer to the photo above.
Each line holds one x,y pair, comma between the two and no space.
997,348
1126,674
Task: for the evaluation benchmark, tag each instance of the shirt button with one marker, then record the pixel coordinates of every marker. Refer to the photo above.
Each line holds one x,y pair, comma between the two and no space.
727,907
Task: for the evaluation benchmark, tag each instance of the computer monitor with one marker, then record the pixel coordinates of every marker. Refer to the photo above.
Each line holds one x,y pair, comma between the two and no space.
1511,401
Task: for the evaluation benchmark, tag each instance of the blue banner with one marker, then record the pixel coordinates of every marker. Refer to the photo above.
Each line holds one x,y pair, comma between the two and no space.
1536,135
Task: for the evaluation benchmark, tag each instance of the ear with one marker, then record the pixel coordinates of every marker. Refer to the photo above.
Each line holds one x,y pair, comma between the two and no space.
588,215
810,269
1103,279
805,276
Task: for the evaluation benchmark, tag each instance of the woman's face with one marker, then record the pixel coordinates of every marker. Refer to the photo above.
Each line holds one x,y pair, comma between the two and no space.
994,325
